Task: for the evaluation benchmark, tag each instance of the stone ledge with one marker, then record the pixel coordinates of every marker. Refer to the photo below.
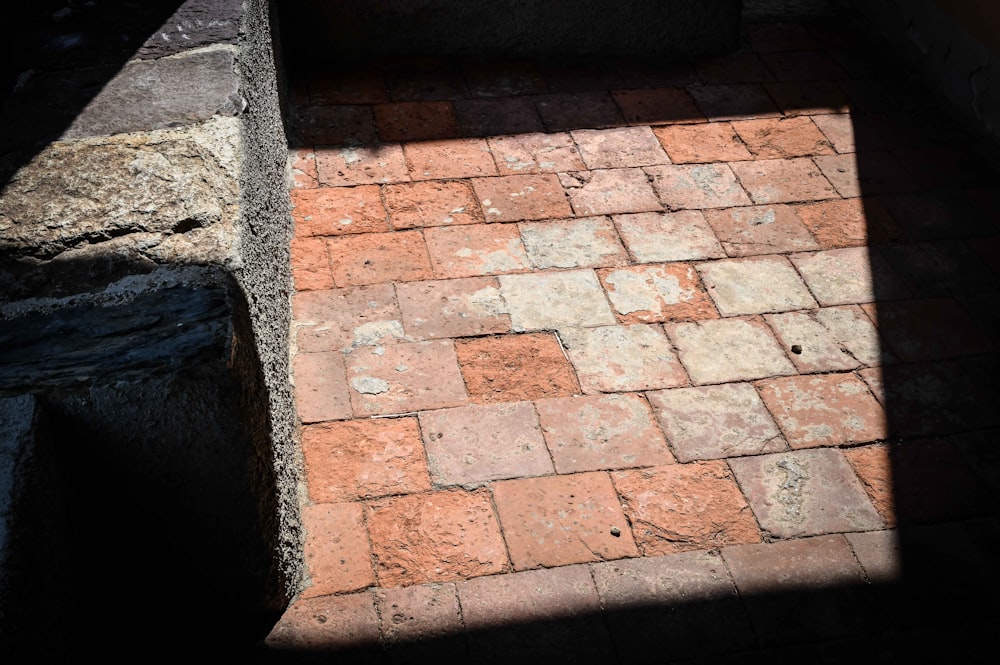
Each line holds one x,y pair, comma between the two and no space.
165,196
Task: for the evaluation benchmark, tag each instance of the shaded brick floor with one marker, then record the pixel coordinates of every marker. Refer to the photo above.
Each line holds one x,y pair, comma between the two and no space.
617,362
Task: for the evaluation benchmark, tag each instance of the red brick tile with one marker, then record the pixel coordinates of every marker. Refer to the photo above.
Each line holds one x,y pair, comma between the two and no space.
776,138
542,616
945,166
755,285
581,110
810,345
855,332
339,319
683,507
338,210
534,153
477,249
734,68
348,86
495,117
709,142
784,180
363,459
931,329
687,600
415,121
303,167
435,537
379,257
361,165
555,299
878,95
723,350
662,106
585,242
320,387
311,264
760,230
618,358
503,79
453,158
653,237
805,492
873,466
787,585
404,377
919,481
804,66
849,275
609,191
601,432
936,215
714,422
425,81
858,132
735,101
336,552
334,125
808,97
988,251
531,596
655,293
423,613
769,37
432,203
848,222
559,520
697,186
452,308
939,268
327,623
878,552
512,368
516,198
879,173
824,410
619,147
471,445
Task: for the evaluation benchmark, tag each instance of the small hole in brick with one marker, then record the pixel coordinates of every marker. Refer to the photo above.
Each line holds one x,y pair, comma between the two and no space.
796,349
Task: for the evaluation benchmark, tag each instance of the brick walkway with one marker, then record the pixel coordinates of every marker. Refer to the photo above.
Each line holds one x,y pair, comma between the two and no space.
622,363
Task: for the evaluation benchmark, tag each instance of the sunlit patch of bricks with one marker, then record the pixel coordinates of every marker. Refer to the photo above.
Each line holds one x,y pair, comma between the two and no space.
549,317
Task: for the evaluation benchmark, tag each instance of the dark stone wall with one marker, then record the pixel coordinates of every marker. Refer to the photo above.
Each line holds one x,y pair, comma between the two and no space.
962,69
349,29
144,310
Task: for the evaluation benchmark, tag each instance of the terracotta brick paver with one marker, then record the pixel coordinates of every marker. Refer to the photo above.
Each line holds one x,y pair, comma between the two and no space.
433,203
685,507
637,362
435,537
563,519
473,444
509,368
601,432
650,293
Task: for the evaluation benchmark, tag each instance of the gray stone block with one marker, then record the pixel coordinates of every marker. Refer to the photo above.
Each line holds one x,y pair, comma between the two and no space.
169,92
86,192
195,23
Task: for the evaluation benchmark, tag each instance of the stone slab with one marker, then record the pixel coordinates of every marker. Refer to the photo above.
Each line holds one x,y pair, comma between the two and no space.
805,493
